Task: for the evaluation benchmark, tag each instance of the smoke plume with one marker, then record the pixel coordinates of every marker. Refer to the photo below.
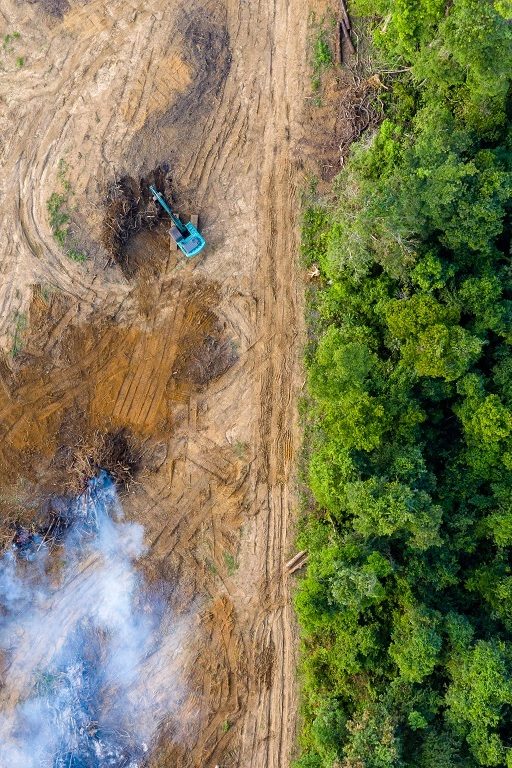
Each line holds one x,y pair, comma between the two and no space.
88,655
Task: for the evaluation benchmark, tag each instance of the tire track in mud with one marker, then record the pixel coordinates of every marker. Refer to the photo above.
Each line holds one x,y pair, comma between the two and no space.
224,493
267,730
278,393
49,134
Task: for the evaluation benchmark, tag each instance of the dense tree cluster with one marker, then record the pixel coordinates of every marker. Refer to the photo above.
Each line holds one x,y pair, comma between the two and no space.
406,606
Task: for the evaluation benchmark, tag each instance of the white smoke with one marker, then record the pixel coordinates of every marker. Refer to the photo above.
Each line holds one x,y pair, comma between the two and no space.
82,648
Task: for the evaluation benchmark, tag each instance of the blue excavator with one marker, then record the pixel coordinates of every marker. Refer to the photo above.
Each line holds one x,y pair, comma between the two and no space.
186,236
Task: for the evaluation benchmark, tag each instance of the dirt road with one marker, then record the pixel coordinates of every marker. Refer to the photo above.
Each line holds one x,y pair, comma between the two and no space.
199,361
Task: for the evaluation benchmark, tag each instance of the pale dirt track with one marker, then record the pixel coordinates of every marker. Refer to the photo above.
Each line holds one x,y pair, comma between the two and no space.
217,90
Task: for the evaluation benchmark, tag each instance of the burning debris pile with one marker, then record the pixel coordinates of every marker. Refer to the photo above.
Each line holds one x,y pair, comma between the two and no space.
79,645
117,451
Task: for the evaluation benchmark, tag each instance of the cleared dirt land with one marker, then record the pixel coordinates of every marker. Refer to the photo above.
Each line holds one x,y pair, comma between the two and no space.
197,362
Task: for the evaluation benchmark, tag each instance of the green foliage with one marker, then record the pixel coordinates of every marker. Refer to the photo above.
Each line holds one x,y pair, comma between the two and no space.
322,56
464,56
481,688
315,229
9,45
393,509
9,39
59,217
416,643
230,563
19,330
443,352
406,606
373,741
76,255
504,8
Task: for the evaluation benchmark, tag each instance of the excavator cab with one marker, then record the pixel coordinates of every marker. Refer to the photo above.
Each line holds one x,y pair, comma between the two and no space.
186,236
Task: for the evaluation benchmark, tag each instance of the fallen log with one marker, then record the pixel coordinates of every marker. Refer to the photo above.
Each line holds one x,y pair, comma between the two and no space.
296,558
300,564
346,35
297,561
344,13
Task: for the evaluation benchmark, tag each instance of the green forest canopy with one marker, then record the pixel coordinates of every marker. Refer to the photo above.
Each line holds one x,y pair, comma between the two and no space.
406,606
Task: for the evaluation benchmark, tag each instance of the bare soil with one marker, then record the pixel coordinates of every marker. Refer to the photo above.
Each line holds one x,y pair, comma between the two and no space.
180,376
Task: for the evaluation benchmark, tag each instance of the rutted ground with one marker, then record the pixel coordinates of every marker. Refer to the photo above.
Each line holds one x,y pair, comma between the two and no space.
198,360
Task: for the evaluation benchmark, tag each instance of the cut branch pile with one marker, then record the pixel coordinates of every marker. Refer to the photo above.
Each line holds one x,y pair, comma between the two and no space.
360,109
117,452
130,208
